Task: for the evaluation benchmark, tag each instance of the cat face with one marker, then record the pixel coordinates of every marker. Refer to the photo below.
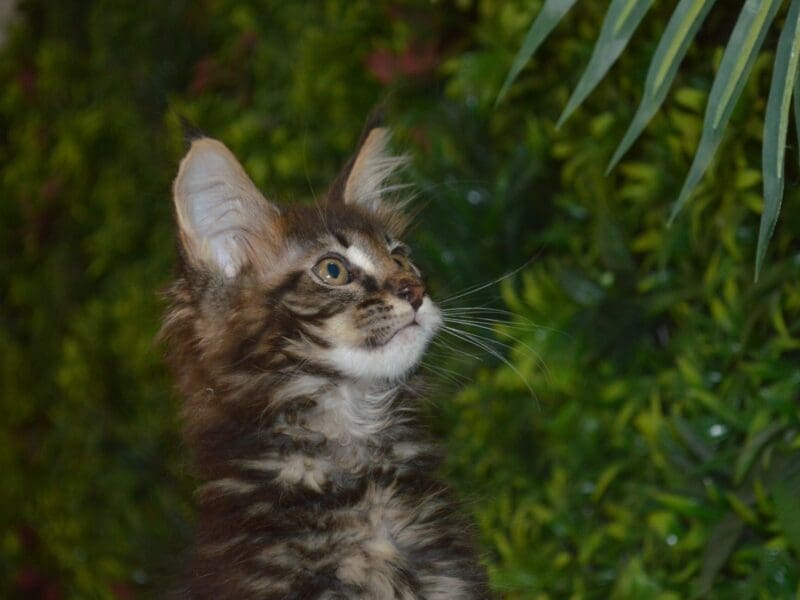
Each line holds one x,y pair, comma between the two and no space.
326,288
360,301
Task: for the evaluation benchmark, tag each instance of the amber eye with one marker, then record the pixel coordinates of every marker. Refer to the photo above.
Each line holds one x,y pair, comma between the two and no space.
332,271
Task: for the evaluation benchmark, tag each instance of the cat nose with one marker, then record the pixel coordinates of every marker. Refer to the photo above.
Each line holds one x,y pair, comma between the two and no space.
409,289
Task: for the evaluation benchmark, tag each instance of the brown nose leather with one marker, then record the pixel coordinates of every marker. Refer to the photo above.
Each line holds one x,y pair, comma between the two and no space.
409,289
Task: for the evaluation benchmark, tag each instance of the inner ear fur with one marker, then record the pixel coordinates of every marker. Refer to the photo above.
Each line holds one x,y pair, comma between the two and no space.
223,219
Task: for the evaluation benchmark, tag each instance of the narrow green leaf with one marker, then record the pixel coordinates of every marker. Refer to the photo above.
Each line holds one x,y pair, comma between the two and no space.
693,441
776,125
737,61
719,547
796,97
621,20
787,506
604,481
543,24
680,31
683,505
752,449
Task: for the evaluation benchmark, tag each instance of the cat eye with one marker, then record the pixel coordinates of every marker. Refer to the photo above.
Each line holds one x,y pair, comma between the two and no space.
332,271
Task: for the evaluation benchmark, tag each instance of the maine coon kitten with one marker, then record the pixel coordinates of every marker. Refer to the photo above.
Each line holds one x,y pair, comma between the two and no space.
293,333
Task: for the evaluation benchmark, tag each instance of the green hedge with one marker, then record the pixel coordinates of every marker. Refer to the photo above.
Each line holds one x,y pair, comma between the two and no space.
658,455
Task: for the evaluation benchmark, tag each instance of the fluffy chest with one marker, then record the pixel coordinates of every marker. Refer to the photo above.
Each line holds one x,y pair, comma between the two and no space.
343,489
351,418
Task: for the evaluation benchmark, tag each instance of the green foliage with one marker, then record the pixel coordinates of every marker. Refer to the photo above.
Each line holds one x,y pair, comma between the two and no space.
619,24
659,456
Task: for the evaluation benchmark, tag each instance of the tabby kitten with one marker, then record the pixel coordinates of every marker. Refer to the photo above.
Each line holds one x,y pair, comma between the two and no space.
294,333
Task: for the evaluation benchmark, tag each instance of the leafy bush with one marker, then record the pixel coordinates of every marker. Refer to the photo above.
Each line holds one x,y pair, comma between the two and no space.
659,454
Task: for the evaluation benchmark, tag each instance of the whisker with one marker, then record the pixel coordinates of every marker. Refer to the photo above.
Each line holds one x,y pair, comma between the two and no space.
481,310
477,288
494,324
490,343
439,340
483,338
453,377
477,341
519,321
468,319
494,329
487,348
485,311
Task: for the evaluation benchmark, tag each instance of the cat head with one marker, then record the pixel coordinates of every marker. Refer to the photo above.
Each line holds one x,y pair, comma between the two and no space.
329,288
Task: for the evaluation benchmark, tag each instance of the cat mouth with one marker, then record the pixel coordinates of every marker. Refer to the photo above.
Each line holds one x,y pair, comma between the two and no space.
394,334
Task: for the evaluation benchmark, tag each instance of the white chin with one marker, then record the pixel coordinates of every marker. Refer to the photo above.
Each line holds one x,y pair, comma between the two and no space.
397,357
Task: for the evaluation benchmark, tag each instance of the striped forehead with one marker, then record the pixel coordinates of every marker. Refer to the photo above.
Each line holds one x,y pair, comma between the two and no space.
360,258
365,250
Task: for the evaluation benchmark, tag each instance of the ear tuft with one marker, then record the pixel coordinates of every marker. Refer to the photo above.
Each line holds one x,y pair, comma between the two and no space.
220,211
190,131
371,168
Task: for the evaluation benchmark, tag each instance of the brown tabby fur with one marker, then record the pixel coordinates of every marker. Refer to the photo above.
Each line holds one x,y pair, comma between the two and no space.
315,483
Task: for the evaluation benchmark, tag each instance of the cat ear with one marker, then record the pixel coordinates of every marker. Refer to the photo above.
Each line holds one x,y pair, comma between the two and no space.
363,181
220,212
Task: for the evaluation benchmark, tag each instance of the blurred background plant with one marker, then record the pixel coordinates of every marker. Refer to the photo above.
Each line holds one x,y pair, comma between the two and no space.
658,456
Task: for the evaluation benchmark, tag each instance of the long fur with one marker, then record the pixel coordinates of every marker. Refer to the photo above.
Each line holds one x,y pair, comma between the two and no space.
316,478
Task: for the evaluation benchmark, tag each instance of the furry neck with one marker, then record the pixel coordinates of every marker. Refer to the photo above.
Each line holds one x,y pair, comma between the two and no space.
349,426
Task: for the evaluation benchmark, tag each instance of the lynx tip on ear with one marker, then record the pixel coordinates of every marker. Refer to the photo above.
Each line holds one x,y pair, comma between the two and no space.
191,132
376,118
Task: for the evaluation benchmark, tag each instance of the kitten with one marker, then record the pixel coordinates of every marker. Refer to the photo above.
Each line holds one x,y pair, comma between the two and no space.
294,333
